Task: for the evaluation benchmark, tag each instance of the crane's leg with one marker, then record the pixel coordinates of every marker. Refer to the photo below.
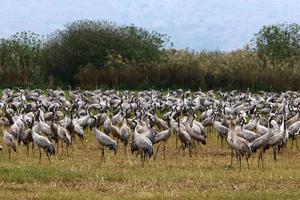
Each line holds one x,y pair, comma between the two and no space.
57,146
146,156
102,155
32,148
156,151
274,153
247,159
142,156
48,157
195,146
292,142
296,142
222,142
262,160
62,148
183,146
190,150
164,150
67,147
27,150
259,157
240,161
176,139
231,159
40,158
9,152
125,149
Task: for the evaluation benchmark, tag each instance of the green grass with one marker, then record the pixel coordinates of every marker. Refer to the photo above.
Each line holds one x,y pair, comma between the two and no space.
34,173
204,176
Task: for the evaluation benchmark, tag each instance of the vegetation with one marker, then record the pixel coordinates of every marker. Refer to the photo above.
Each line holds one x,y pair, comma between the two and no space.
94,54
19,57
278,42
100,43
205,175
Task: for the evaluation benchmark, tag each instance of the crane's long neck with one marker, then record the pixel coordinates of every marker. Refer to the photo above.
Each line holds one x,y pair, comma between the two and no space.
33,131
189,120
135,133
282,126
173,125
256,121
95,132
229,135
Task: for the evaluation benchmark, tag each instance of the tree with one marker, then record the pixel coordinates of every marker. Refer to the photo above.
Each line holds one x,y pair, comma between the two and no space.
19,58
85,41
277,42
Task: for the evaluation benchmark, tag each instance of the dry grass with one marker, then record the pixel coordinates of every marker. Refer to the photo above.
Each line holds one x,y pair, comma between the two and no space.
206,175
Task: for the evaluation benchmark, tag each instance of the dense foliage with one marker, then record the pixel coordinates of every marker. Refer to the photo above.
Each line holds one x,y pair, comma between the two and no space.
19,57
93,54
278,42
98,43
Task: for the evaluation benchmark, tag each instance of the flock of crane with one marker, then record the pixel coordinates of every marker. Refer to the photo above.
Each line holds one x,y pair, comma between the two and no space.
248,123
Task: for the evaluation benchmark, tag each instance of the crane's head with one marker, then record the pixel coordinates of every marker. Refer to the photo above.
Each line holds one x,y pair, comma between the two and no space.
272,116
135,123
169,121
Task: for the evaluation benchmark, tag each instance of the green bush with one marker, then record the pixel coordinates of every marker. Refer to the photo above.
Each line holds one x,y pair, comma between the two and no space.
83,42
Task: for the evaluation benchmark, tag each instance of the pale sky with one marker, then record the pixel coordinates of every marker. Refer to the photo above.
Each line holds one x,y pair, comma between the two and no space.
197,24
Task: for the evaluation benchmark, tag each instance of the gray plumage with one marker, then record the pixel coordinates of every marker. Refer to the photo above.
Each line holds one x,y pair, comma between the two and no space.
104,140
10,142
125,133
184,137
42,142
251,125
294,128
142,144
222,130
261,130
239,144
248,135
261,141
293,119
162,136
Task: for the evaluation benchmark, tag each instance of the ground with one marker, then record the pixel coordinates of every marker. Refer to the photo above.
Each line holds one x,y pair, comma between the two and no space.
205,175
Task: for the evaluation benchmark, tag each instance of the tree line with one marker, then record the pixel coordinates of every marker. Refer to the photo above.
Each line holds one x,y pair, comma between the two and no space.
102,54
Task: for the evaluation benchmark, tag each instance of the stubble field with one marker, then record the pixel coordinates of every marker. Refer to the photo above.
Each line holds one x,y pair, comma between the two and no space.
81,175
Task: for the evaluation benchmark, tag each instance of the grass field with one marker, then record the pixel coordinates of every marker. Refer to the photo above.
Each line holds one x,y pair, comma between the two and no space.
206,175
